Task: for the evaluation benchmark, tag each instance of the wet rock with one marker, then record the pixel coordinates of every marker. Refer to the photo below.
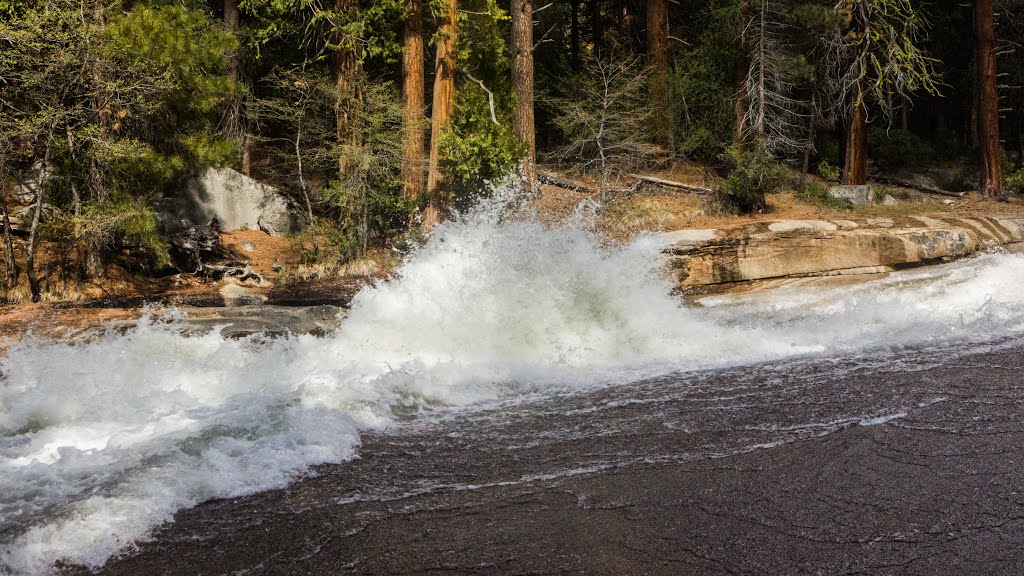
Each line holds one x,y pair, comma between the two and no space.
859,195
234,200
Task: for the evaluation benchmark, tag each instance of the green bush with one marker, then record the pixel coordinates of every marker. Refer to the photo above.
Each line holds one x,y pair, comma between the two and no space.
753,174
827,171
817,194
1015,182
895,149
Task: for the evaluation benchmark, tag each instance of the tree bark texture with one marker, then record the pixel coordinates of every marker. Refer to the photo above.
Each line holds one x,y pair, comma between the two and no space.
234,122
413,87
742,69
657,51
442,108
522,85
349,100
988,100
855,163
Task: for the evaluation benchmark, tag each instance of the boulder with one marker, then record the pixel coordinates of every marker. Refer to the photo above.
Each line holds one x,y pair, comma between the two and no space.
234,200
28,183
859,195
786,249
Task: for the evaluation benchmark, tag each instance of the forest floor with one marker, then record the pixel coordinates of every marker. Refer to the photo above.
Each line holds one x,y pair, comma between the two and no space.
69,305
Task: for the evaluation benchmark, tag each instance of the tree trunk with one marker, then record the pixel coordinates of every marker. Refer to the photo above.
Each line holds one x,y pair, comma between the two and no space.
657,51
234,122
413,86
596,32
574,32
442,108
742,69
12,262
348,99
988,100
94,245
522,85
33,235
855,163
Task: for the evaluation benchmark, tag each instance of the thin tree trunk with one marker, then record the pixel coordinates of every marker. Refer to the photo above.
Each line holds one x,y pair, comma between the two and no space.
596,32
522,85
657,50
905,113
413,87
855,164
574,32
12,262
348,103
33,235
234,124
742,70
304,187
988,100
442,108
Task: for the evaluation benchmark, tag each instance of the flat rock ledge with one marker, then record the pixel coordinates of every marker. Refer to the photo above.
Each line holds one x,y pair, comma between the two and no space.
799,248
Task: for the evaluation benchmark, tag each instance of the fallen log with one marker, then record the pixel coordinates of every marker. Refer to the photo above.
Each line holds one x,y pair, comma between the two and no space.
240,270
918,187
554,180
672,184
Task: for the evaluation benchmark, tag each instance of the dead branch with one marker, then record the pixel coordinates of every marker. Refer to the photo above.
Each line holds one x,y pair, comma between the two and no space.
240,270
918,187
672,184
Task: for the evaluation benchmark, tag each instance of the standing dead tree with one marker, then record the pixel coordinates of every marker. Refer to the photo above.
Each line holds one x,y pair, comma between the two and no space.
605,118
775,117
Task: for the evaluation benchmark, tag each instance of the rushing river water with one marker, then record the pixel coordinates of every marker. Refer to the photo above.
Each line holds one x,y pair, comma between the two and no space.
102,441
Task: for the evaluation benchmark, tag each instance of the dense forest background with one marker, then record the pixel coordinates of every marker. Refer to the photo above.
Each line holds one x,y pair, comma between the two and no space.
379,117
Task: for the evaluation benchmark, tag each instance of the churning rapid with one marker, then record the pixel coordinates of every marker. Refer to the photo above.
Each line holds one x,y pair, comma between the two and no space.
102,441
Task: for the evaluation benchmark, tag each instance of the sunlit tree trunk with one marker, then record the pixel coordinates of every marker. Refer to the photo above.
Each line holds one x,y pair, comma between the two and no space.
442,108
988,100
742,69
657,50
522,85
412,97
855,163
348,102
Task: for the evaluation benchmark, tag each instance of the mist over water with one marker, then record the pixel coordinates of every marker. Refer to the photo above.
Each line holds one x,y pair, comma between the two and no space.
102,441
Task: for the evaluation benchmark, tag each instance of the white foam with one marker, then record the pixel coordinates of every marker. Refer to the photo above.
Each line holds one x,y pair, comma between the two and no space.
102,441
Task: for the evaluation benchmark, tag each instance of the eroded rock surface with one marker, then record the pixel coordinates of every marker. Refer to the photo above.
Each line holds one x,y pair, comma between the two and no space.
793,248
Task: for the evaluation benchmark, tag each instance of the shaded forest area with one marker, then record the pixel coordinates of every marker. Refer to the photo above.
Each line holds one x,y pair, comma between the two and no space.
380,117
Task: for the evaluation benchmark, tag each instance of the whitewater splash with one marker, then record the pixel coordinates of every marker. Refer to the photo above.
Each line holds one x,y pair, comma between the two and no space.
100,442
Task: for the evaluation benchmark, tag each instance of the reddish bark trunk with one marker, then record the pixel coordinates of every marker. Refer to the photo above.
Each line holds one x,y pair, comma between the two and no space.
348,104
855,163
413,86
657,50
522,85
988,100
442,108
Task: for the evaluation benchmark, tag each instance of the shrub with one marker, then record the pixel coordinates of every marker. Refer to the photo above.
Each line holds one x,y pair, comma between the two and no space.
828,171
817,194
753,174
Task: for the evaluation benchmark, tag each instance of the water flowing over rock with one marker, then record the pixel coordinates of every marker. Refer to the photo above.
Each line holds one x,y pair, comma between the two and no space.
234,200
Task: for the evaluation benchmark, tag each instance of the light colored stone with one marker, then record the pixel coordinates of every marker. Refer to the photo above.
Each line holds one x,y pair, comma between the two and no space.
248,246
889,200
792,225
880,222
859,194
846,223
236,201
27,185
687,237
235,295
